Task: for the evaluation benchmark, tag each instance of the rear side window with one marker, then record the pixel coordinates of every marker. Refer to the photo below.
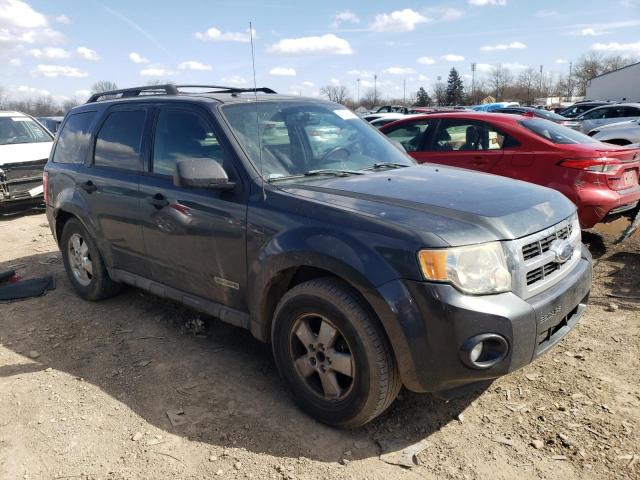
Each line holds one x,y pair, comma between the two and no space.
119,141
73,141
463,135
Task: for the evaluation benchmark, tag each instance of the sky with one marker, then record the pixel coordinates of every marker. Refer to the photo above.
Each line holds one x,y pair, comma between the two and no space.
61,48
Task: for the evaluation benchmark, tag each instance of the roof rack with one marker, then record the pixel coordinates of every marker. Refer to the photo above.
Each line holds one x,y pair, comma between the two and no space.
171,89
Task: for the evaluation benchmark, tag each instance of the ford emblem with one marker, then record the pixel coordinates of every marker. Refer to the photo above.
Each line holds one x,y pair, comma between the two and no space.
562,249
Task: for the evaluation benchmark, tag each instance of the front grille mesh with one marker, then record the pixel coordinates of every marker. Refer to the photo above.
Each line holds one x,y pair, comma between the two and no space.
533,249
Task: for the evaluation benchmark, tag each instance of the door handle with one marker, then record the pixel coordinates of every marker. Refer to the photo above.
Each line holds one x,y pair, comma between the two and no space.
158,201
87,186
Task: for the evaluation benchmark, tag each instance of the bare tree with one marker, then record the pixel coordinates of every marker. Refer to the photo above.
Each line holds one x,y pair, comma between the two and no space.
103,86
336,93
440,93
369,98
499,80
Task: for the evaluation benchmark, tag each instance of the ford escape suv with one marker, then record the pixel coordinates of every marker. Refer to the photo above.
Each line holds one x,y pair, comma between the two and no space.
297,220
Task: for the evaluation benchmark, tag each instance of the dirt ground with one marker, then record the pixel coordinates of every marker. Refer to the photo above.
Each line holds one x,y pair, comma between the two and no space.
140,388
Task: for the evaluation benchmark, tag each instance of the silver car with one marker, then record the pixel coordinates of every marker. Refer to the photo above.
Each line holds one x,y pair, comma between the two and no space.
620,133
605,115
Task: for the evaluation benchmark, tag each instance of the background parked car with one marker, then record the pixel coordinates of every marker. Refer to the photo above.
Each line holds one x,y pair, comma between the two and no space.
579,108
605,115
601,179
488,107
535,112
392,109
52,123
621,133
24,150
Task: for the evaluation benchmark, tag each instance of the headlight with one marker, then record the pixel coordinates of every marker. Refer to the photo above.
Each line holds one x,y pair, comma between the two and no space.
475,269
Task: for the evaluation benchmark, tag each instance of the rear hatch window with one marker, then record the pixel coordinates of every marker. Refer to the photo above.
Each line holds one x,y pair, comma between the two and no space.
556,133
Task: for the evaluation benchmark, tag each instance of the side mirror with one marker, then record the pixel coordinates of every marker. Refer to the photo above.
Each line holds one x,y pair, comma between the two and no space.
201,173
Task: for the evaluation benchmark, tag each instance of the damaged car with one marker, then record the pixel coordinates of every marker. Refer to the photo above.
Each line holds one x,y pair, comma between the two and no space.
24,150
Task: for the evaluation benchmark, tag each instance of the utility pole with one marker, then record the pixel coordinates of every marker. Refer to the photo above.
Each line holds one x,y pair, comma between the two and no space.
404,92
473,82
375,90
358,96
569,90
541,67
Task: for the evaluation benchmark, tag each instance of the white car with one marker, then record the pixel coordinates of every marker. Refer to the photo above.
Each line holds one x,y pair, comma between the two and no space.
24,149
382,119
620,133
605,115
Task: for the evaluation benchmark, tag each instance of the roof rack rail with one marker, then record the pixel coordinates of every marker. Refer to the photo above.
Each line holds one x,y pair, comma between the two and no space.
224,89
168,89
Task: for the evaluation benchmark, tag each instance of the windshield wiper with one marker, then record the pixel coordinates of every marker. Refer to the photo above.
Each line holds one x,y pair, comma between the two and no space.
378,166
312,173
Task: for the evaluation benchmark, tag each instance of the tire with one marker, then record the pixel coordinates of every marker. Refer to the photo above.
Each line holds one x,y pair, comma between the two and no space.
334,324
83,263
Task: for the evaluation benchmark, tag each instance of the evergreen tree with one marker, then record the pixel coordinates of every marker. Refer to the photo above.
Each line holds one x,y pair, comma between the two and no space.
455,88
422,98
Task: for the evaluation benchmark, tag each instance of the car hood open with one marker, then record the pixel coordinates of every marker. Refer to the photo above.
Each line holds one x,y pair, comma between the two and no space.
24,152
460,206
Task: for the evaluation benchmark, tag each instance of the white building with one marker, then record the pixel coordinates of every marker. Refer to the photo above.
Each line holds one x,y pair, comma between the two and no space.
622,85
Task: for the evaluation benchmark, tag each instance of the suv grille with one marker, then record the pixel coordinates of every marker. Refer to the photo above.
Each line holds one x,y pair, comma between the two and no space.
533,249
540,273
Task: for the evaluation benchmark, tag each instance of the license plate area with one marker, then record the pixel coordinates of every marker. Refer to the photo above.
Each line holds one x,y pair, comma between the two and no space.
629,178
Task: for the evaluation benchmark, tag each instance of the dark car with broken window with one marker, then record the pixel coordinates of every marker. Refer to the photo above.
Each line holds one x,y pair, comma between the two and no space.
295,219
24,148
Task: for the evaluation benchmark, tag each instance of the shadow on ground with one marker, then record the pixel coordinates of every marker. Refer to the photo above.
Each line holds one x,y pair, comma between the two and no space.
156,356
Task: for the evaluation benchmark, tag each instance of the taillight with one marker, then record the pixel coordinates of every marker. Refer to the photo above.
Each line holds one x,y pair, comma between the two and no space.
45,186
600,164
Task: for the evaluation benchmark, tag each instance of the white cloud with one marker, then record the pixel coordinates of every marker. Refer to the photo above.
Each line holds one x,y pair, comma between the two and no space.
426,60
366,83
235,80
32,90
484,3
83,93
590,32
213,34
63,19
308,84
560,61
504,46
453,58
193,65
58,71
137,58
360,73
50,53
343,17
155,71
617,47
451,14
483,67
15,62
335,81
397,21
326,44
282,72
88,54
399,70
423,78
18,14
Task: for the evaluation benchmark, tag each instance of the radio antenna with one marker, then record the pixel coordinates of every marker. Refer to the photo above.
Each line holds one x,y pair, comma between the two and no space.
255,95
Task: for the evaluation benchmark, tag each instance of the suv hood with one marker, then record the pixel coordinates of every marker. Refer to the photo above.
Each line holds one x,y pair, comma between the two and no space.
459,206
24,152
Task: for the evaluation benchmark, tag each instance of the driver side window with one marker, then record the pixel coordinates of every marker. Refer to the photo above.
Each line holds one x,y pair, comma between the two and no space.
410,135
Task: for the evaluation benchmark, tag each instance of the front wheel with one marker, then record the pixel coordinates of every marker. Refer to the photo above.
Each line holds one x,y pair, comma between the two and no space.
333,354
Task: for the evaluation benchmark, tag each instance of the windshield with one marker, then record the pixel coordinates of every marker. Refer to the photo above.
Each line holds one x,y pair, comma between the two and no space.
556,133
302,137
548,115
21,130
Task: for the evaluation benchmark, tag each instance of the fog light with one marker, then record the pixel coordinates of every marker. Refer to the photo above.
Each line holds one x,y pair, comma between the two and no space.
484,351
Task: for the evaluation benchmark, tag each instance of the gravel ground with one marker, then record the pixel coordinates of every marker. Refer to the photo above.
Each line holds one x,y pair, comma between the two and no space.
140,388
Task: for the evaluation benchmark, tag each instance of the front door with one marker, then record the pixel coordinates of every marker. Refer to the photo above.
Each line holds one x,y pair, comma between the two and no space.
194,238
464,143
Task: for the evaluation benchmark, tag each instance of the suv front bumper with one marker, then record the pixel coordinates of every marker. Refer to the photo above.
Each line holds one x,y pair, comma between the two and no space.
437,320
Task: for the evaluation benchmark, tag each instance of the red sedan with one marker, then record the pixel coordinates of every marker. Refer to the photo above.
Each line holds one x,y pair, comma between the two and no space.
601,179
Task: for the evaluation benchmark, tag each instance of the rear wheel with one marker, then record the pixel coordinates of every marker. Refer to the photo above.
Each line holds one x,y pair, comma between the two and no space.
83,263
333,354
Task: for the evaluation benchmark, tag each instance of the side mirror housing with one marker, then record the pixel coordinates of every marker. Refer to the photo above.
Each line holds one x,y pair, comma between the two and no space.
201,173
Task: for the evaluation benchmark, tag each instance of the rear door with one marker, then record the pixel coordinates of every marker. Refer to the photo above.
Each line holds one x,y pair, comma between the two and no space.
465,143
109,185
195,238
